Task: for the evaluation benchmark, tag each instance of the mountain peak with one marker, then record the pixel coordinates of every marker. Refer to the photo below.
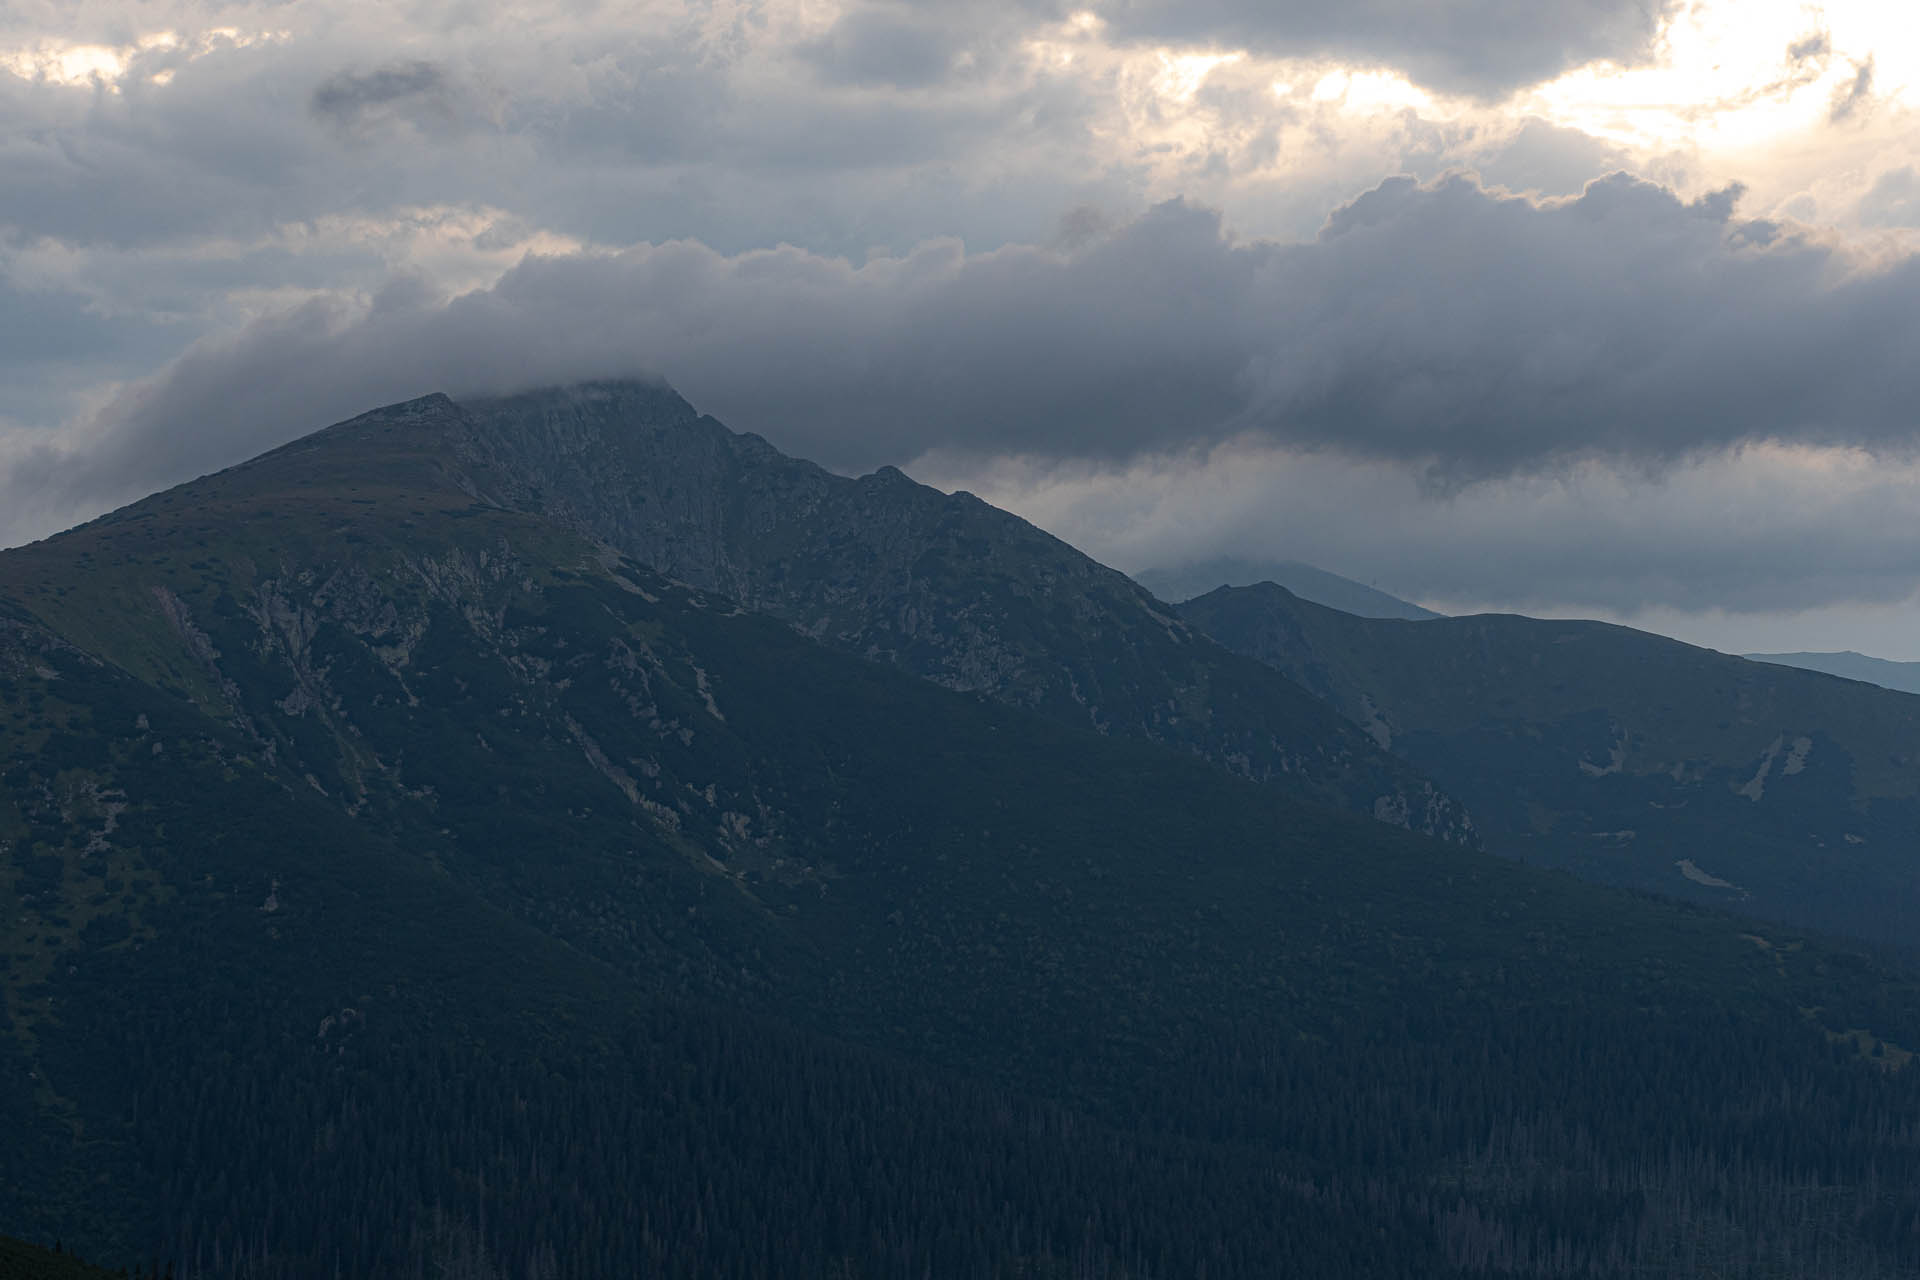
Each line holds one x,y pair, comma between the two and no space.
420,406
946,587
640,401
1197,578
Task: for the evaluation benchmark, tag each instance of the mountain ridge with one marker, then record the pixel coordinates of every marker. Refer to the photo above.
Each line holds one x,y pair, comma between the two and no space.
1627,756
945,586
1188,581
1902,677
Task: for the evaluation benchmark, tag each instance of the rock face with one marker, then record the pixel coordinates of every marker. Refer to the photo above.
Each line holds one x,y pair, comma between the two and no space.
945,586
1627,757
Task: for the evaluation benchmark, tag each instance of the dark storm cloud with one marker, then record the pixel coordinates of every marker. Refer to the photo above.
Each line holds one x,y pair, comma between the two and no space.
876,45
1482,47
1461,331
346,97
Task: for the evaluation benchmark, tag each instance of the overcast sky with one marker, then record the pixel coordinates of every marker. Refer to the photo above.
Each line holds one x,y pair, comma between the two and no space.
1607,307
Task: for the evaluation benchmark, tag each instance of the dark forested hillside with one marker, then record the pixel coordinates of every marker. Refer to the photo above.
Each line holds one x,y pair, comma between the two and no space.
399,882
20,1260
1628,757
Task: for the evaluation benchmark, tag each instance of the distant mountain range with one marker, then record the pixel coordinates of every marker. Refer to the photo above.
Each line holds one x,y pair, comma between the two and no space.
1181,584
558,837
1627,757
1902,676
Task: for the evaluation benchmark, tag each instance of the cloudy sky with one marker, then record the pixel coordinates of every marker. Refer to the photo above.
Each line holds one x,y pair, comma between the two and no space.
1605,307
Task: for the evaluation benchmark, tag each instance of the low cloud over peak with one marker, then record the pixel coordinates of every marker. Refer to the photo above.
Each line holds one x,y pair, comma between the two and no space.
1460,330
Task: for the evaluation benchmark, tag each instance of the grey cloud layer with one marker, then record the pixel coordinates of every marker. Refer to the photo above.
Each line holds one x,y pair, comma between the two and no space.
1489,333
901,122
1750,531
417,90
286,165
562,127
1459,330
1484,47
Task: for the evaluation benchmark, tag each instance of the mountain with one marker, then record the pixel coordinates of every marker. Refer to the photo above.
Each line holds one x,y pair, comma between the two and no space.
1903,677
401,881
1628,757
1330,589
944,586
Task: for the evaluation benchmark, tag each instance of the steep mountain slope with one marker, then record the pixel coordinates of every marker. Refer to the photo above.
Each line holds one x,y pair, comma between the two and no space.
943,586
1628,757
1304,580
400,883
1903,677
